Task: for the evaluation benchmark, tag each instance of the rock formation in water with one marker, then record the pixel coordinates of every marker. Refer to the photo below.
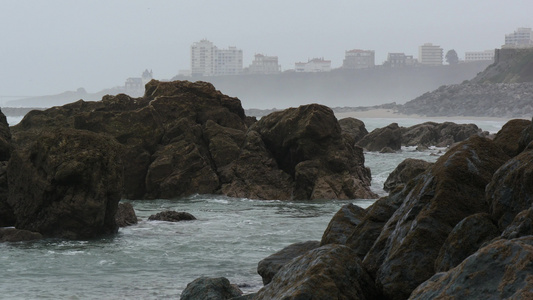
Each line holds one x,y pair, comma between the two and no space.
7,217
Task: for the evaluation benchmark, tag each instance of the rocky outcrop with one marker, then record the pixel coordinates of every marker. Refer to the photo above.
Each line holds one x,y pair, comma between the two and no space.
508,138
438,134
522,225
7,217
452,189
67,183
268,267
323,273
354,128
125,215
389,136
342,224
405,171
172,216
210,289
501,270
18,235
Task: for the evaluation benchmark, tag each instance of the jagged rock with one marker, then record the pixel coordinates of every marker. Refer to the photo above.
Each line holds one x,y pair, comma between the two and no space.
389,136
509,136
355,128
465,239
205,288
66,184
405,171
125,215
526,137
438,134
7,217
522,225
18,235
268,267
172,216
452,189
326,272
510,190
500,270
342,224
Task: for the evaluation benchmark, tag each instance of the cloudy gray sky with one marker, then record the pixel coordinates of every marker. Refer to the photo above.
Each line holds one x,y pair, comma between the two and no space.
47,47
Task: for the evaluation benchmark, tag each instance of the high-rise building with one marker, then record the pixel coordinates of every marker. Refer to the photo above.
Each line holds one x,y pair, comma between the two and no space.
359,59
521,38
479,55
208,60
263,64
429,54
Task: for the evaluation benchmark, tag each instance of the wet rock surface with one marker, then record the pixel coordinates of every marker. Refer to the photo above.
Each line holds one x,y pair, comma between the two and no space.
205,288
172,216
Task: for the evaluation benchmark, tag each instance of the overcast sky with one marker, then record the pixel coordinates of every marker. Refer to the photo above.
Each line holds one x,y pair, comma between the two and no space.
48,47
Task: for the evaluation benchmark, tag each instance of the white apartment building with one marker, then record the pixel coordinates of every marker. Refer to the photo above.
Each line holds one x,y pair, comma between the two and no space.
479,55
208,60
313,65
358,59
263,64
521,38
429,54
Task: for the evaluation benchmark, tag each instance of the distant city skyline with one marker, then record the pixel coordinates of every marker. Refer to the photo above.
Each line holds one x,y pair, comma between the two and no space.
53,46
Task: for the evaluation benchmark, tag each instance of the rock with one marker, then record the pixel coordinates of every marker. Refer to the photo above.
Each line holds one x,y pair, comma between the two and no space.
331,271
510,190
342,224
5,138
205,288
125,215
389,136
405,171
452,189
355,128
172,216
18,235
438,134
526,137
66,184
387,150
501,270
268,267
509,136
465,239
7,217
522,225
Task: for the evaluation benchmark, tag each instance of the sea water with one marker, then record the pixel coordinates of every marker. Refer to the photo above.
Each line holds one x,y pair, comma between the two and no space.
156,260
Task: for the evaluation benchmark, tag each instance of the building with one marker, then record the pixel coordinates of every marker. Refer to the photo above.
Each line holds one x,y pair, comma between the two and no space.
313,65
399,60
358,59
263,64
521,38
208,60
134,86
430,55
487,55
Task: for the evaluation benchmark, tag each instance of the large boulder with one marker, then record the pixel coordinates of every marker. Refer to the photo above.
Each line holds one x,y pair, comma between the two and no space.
405,171
329,272
508,137
510,190
342,224
522,225
269,266
388,136
354,128
404,254
125,215
172,216
205,288
66,184
465,239
500,270
438,134
18,235
7,217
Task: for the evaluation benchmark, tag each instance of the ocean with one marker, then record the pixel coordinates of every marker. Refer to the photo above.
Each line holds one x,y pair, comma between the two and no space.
156,260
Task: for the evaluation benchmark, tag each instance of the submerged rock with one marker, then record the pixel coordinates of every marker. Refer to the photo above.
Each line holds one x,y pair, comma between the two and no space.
172,216
205,288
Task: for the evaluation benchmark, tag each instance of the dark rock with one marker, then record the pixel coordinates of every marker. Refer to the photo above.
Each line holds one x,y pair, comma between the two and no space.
18,235
522,225
5,138
7,217
501,270
66,184
387,150
526,137
510,190
405,171
342,224
268,267
389,136
354,128
509,136
465,239
452,189
205,288
329,272
172,216
125,215
438,134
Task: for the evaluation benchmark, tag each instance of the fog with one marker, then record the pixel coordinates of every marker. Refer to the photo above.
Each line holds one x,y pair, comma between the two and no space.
48,47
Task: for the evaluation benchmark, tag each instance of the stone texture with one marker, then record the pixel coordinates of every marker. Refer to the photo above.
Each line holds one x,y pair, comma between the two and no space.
7,217
389,136
18,235
522,225
125,215
172,216
329,272
438,134
354,128
509,136
205,288
342,224
405,171
269,266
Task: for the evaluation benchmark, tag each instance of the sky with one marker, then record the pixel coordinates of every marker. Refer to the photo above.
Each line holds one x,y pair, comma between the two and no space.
48,47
